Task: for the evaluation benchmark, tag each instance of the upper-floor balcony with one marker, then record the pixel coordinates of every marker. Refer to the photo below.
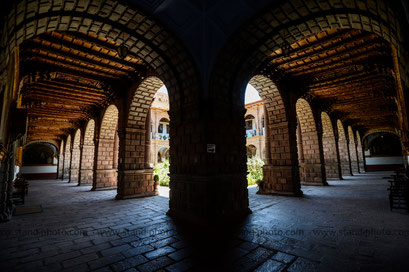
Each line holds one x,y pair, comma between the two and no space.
160,136
254,132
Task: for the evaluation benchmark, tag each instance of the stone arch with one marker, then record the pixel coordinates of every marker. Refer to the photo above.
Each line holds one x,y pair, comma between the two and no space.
343,150
39,153
373,131
329,148
143,35
251,151
163,154
50,141
384,144
280,172
247,52
360,152
67,158
75,157
135,172
60,173
87,155
353,151
311,167
106,158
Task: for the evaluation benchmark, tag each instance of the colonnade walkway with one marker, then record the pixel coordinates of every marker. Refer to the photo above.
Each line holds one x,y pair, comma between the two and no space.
346,226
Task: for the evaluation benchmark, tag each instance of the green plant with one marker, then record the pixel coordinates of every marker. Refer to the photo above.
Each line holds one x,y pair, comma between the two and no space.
162,170
156,178
255,170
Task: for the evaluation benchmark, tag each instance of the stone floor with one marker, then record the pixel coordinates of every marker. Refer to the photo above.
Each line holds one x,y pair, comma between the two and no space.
346,226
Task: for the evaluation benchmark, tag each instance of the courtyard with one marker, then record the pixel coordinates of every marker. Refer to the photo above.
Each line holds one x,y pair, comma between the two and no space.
346,226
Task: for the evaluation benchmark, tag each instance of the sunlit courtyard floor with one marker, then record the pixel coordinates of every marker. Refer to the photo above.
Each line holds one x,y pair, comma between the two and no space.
346,226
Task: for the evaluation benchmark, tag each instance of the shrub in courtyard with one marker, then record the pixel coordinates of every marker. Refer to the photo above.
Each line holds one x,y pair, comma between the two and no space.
162,171
255,170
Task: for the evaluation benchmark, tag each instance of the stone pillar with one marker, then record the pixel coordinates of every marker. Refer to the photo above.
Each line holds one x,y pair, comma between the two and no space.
81,150
105,176
320,149
332,166
6,190
70,166
134,178
67,158
61,163
87,164
338,155
87,154
282,176
353,152
312,169
208,165
300,148
266,137
343,151
148,140
360,153
349,156
75,162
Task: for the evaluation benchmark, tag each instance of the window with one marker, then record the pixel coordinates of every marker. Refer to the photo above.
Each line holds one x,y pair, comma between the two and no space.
249,124
160,129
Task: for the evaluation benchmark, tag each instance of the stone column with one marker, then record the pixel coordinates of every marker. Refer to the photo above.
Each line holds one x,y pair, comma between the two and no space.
87,164
134,179
70,167
208,165
75,162
267,137
148,141
321,149
349,155
336,138
63,165
81,150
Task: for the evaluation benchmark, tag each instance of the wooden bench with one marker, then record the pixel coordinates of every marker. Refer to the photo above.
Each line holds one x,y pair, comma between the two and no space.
399,192
20,191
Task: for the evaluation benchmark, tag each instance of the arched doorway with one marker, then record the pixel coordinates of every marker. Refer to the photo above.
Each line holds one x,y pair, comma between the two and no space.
39,161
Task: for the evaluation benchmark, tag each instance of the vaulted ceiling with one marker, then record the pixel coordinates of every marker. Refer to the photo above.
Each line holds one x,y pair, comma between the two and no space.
346,72
68,77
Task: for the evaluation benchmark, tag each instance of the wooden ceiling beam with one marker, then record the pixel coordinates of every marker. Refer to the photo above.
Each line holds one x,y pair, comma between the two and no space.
107,46
44,90
36,98
59,65
329,38
80,62
61,43
54,88
342,45
320,65
30,66
351,77
77,87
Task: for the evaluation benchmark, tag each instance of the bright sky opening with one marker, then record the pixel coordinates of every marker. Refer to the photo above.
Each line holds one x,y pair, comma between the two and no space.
163,89
251,95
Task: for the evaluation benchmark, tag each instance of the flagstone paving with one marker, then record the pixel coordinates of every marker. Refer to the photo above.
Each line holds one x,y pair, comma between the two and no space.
346,226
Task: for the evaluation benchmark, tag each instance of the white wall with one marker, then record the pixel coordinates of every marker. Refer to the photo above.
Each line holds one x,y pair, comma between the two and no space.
38,169
384,160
